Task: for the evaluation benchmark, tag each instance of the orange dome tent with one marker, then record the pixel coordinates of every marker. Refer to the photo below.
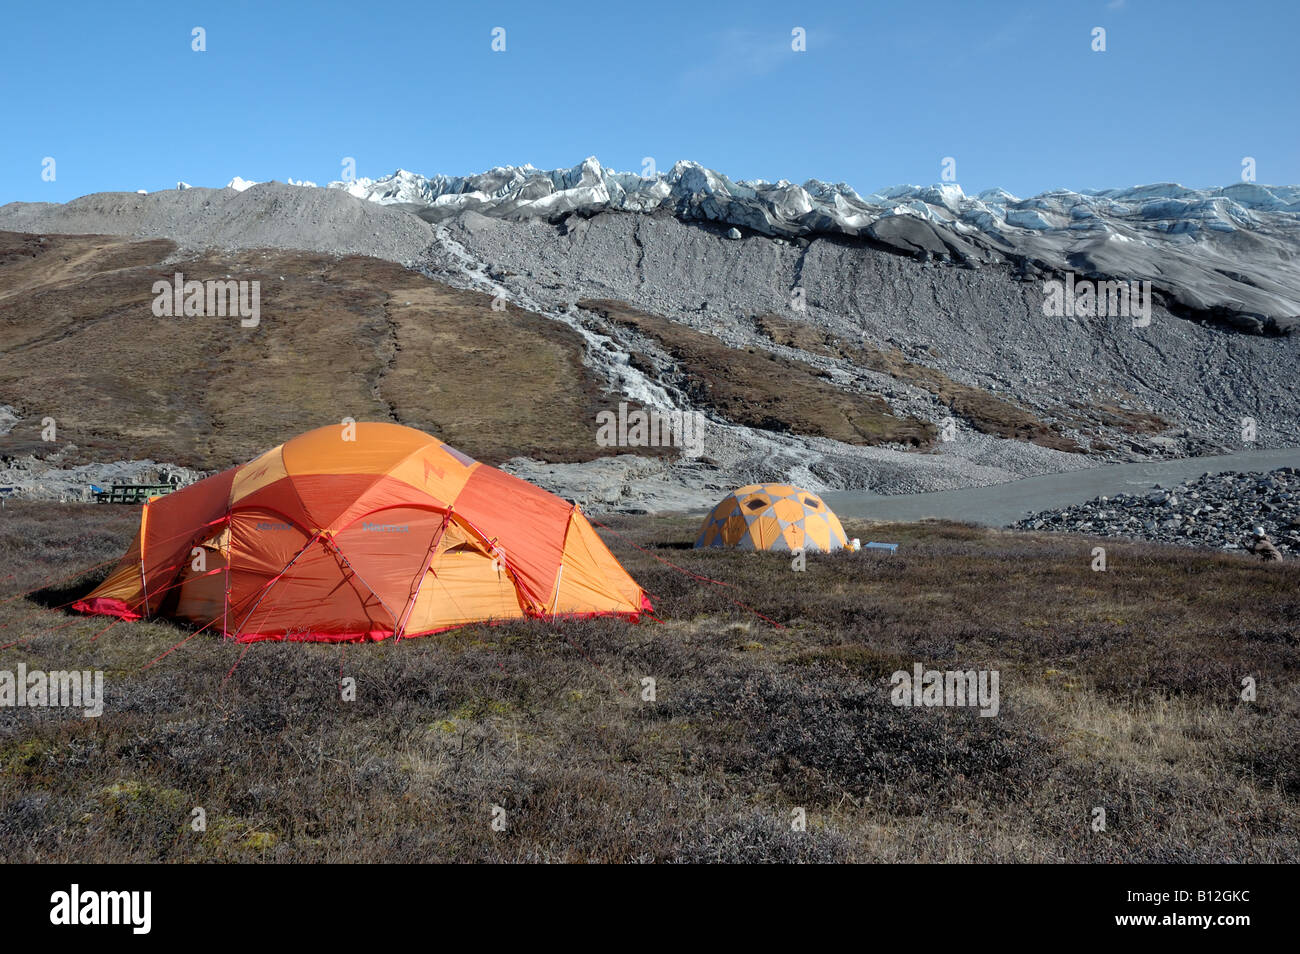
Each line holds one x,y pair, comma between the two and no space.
389,533
772,517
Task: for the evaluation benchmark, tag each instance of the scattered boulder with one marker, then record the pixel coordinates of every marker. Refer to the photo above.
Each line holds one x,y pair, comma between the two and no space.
1214,510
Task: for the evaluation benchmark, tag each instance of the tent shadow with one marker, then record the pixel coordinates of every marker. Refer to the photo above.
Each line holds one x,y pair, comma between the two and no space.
60,595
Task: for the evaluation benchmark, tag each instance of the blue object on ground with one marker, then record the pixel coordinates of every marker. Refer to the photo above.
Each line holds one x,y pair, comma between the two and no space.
891,547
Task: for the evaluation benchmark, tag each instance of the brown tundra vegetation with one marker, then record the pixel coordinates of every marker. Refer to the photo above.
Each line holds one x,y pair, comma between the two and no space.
1119,690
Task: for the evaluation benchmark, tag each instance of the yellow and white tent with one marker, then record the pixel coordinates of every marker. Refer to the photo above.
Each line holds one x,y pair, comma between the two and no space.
772,517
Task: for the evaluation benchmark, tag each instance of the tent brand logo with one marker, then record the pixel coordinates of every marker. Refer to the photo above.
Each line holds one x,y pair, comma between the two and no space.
75,907
1089,299
209,299
951,688
385,527
53,690
655,428
274,526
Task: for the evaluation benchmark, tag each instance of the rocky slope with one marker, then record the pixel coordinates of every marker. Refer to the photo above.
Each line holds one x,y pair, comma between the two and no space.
925,299
1225,253
1173,388
269,216
361,337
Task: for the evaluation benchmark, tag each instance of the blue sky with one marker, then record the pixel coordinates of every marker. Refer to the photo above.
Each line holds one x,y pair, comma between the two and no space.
1011,90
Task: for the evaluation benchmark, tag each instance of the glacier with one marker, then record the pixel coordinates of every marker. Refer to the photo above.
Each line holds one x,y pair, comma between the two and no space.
1230,254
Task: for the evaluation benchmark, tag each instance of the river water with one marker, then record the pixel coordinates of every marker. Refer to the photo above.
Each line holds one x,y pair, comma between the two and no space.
1002,504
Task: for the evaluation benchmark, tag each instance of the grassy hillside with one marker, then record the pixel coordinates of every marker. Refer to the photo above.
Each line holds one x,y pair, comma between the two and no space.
1118,690
764,390
351,337
984,411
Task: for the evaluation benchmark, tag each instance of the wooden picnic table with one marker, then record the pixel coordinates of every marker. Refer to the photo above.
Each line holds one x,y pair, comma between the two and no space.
132,493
